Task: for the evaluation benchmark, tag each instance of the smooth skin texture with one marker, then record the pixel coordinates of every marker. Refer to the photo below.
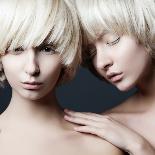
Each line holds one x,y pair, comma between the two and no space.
33,123
130,126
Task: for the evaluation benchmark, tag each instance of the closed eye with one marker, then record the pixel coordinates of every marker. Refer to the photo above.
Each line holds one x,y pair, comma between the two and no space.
113,42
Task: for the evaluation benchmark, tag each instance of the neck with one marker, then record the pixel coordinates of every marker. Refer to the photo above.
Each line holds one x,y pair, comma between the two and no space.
146,87
40,110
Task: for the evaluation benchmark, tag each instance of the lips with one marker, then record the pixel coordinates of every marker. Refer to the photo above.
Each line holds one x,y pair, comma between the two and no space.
32,85
115,77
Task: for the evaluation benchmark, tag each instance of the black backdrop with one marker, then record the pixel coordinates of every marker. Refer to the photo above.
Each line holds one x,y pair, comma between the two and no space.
84,93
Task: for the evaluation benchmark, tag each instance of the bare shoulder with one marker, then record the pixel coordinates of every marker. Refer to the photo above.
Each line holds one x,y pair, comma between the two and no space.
93,145
98,146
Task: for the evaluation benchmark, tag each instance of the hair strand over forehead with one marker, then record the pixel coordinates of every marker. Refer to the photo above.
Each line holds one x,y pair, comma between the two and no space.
131,17
32,23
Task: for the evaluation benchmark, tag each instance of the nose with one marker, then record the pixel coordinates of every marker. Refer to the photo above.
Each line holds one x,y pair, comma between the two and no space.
31,65
103,61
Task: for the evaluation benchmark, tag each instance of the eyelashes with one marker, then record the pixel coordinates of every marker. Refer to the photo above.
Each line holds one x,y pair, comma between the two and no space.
92,49
113,42
45,49
16,51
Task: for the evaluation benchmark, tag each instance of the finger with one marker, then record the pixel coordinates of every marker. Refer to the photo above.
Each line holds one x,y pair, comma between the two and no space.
92,130
106,124
83,121
92,116
102,119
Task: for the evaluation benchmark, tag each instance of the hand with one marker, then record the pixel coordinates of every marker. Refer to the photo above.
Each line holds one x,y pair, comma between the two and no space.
106,127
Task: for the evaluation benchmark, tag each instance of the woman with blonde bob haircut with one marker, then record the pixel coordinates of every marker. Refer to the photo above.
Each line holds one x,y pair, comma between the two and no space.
27,24
119,47
39,49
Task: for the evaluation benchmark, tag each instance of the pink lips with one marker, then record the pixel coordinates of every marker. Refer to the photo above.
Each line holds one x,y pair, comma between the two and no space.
115,77
32,85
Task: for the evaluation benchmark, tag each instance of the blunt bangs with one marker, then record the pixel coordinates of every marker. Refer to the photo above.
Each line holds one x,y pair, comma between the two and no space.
130,17
30,23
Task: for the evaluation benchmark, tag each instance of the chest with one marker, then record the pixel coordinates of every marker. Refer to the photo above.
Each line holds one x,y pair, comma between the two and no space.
144,125
147,129
34,145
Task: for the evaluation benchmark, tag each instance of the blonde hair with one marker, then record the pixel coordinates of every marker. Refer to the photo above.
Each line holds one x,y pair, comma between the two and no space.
129,17
29,23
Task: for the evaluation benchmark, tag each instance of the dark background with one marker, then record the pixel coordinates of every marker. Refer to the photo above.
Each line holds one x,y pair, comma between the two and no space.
84,93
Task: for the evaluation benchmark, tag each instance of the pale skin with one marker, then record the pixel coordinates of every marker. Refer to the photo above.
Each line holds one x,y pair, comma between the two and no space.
33,123
130,126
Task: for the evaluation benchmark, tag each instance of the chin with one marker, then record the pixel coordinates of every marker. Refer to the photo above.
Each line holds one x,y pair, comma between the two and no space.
31,95
125,86
123,89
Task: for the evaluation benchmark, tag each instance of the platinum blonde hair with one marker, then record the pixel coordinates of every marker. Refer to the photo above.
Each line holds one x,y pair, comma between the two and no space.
121,17
132,17
29,23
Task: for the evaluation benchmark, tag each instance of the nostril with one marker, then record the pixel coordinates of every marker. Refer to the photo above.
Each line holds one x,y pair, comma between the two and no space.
33,70
102,66
107,66
36,73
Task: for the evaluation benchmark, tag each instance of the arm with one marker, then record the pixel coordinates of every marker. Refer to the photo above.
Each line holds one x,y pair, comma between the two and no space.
111,130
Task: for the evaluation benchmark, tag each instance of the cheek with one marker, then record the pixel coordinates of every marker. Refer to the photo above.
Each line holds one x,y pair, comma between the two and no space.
98,65
135,65
12,76
11,70
133,58
51,70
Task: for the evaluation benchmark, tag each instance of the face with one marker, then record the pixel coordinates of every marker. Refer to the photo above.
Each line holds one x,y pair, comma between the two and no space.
121,60
32,73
